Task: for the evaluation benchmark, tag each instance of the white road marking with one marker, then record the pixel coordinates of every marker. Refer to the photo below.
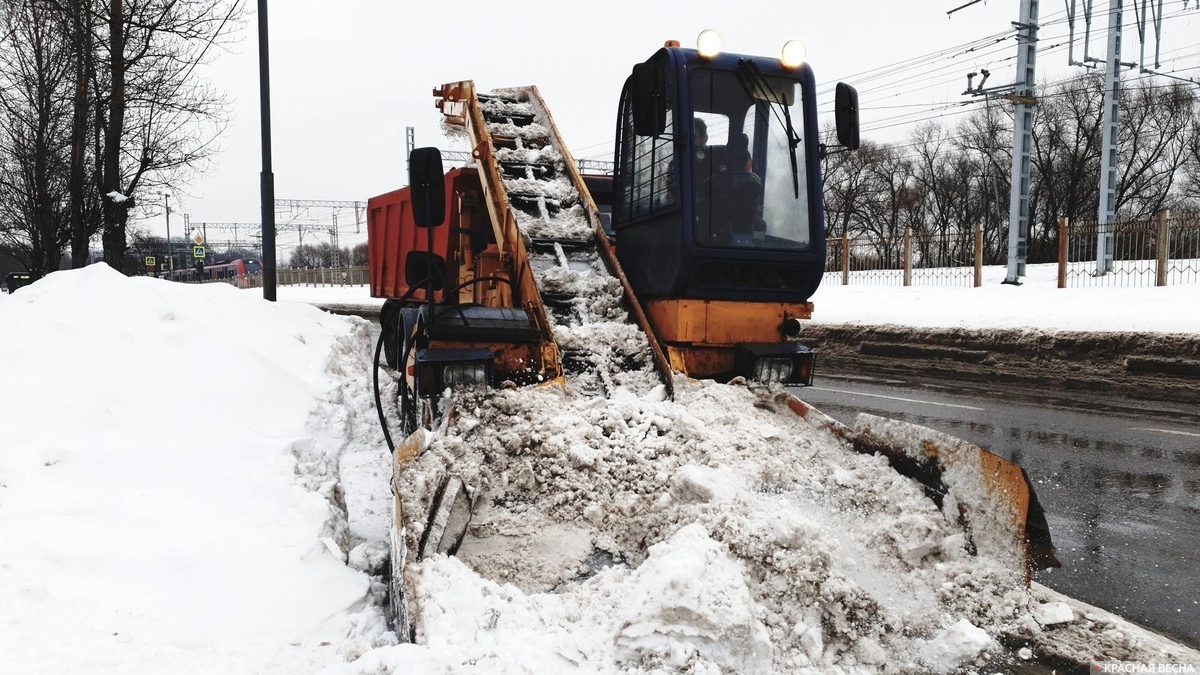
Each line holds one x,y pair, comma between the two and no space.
862,378
1166,431
897,398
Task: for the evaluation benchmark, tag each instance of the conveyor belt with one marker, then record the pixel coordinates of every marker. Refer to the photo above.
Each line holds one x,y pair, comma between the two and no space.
593,318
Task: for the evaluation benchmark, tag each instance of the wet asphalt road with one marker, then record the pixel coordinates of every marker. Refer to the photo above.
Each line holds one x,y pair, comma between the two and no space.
1120,486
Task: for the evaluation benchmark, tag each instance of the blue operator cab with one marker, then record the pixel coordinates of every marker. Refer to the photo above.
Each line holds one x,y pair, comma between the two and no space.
716,205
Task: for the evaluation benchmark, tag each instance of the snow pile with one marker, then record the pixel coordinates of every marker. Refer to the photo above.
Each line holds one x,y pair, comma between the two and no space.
962,477
716,533
719,532
169,489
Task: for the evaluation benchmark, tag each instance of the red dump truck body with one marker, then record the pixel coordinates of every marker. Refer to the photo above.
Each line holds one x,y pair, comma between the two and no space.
392,235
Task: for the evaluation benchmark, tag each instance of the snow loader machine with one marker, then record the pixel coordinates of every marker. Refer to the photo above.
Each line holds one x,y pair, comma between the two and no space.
701,249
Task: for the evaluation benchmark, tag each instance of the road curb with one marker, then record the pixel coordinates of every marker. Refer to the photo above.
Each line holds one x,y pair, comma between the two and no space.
1144,366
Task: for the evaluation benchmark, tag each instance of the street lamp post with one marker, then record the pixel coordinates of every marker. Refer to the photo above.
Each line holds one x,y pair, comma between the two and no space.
267,177
170,252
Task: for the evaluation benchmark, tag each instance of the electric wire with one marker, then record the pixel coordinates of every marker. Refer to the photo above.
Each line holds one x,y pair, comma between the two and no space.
987,49
939,79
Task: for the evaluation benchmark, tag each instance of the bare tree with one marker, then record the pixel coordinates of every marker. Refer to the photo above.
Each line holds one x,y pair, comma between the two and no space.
985,139
846,188
158,120
322,254
1066,161
945,183
945,177
893,203
34,87
82,188
1155,135
1190,187
101,102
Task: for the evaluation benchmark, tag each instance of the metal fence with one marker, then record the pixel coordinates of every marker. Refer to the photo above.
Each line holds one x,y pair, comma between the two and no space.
325,276
319,276
952,258
1157,252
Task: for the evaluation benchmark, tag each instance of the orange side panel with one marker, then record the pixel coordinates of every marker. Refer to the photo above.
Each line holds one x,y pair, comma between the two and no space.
721,322
392,234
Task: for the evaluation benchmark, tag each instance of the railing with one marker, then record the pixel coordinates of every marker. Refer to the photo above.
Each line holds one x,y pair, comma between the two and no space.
317,276
1158,252
323,276
952,258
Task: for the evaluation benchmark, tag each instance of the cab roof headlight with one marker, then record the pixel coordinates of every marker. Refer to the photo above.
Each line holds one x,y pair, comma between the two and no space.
708,43
793,54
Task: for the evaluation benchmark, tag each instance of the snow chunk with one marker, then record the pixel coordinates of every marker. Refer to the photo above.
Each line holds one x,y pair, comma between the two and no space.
917,535
955,646
1051,613
701,484
695,609
370,557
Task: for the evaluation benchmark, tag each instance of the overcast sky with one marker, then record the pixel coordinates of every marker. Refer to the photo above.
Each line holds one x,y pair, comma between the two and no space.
345,84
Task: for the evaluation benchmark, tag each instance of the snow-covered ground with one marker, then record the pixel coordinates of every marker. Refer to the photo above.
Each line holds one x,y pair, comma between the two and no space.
193,480
1036,304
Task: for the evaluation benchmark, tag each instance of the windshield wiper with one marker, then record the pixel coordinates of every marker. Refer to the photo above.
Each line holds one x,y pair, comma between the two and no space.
760,81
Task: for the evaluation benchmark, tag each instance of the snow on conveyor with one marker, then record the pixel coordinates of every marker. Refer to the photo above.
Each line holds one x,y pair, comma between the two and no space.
595,326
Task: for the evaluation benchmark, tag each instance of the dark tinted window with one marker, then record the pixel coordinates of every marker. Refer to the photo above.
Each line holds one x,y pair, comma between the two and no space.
647,182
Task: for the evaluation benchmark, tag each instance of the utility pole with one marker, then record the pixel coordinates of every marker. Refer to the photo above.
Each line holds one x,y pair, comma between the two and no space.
1110,116
1023,97
1110,128
333,239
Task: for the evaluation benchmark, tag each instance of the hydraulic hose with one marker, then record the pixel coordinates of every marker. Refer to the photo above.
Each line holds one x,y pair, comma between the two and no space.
387,434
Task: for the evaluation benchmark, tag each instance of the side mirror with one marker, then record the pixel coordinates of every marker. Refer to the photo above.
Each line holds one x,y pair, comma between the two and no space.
649,99
425,269
428,184
845,115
